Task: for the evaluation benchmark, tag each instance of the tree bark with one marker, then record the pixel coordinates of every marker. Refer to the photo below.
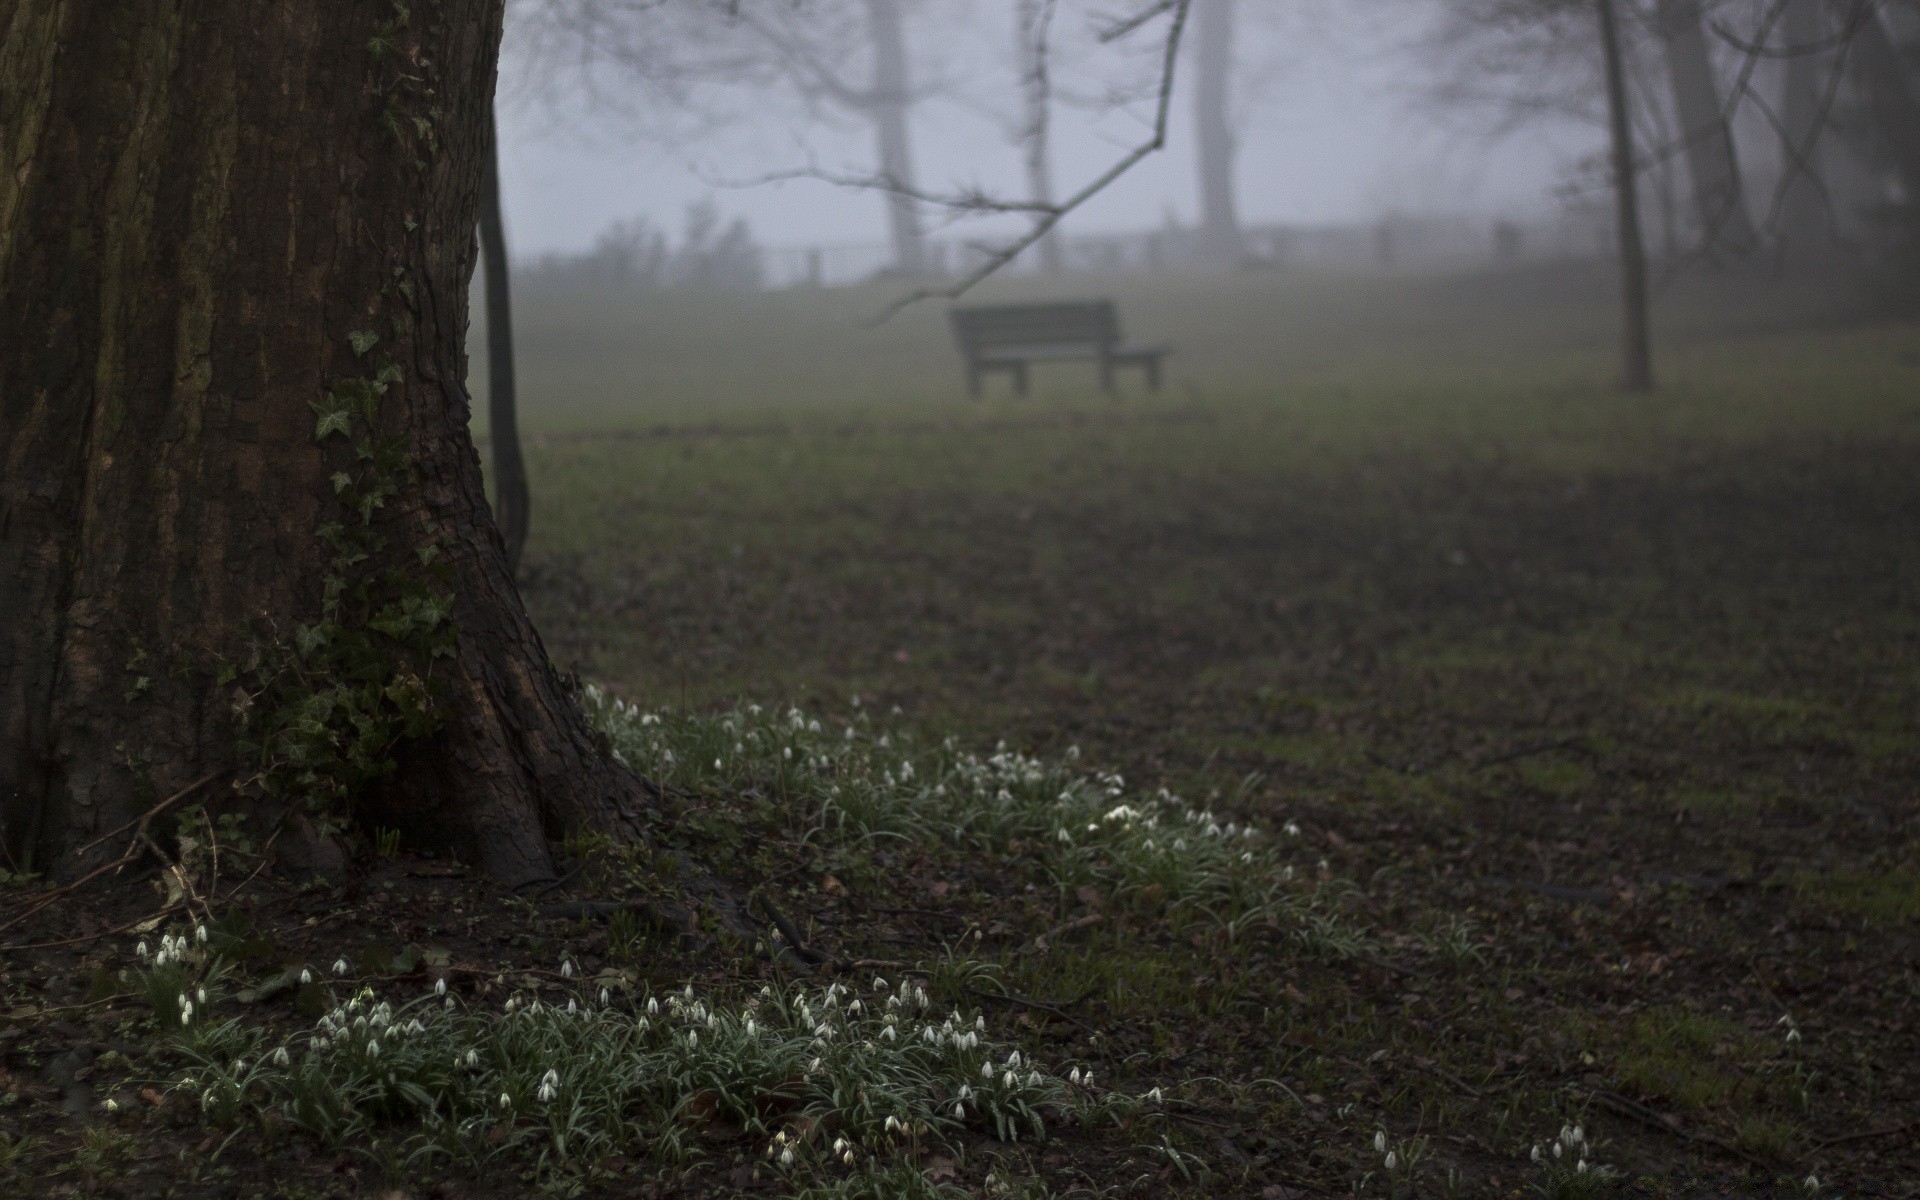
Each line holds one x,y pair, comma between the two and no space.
512,505
1706,138
1037,124
201,205
1636,343
888,106
1213,140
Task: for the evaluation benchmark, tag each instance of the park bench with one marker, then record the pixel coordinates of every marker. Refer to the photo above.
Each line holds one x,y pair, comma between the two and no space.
1010,337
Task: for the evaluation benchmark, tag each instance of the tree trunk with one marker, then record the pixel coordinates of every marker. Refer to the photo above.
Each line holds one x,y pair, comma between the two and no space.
512,506
1886,80
1706,138
1213,140
1636,343
205,212
890,103
1804,217
1036,127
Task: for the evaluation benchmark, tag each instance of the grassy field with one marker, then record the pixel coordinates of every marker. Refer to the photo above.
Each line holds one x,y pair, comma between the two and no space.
1604,705
1345,772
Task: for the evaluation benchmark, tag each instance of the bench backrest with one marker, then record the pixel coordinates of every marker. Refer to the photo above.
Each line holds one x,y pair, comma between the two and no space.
1075,323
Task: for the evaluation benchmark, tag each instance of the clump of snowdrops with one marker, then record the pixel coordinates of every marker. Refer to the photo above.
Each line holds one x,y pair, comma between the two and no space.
851,781
833,1082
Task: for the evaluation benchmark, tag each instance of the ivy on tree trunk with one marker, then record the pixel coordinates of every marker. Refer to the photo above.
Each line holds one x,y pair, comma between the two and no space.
205,212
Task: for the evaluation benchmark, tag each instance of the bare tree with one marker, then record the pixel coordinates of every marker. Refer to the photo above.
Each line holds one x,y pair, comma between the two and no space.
1705,132
1213,140
1805,216
1886,82
1033,30
680,69
1636,368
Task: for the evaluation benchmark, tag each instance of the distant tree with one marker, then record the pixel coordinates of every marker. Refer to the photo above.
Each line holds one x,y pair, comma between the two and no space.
1033,33
1636,370
832,58
1213,133
1705,133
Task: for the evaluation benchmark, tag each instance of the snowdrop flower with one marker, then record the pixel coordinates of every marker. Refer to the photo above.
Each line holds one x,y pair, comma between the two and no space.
200,934
1155,1095
339,966
373,1047
549,1086
606,997
1536,1152
1580,1168
571,1006
1033,1079
1006,1080
440,986
893,1123
1073,1076
506,1101
1292,829
786,1157
653,1006
566,968
306,976
281,1057
986,1071
693,1038
959,1111
1559,1150
473,1058
1811,1183
1380,1141
142,950
1392,1161
200,994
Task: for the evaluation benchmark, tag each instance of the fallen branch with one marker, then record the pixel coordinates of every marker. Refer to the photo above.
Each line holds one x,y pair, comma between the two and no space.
1038,1005
139,827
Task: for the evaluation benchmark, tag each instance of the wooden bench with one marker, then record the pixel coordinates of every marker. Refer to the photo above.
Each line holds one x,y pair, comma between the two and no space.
1009,337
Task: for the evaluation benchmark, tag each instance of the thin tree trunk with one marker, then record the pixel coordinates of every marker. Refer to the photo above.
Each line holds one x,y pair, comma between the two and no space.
206,211
1036,128
1636,344
1220,239
1706,137
512,505
891,102
1804,218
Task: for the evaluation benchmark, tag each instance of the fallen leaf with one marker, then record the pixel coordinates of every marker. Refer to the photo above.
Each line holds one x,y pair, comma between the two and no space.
940,1169
832,886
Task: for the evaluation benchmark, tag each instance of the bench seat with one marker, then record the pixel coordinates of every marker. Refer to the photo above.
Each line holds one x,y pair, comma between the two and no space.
1011,337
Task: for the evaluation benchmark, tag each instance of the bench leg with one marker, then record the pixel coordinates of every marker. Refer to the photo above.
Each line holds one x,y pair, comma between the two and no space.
1106,376
1020,378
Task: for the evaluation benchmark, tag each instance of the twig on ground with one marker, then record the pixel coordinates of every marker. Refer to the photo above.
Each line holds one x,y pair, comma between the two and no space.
1665,1124
1039,1005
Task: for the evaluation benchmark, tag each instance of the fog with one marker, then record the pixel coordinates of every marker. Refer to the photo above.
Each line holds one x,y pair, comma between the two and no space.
1336,124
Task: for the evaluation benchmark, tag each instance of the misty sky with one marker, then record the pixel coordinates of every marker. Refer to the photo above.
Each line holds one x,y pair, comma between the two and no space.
1335,127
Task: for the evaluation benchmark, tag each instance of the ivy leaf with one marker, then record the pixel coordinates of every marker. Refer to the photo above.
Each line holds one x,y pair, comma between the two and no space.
309,638
362,340
341,481
331,423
